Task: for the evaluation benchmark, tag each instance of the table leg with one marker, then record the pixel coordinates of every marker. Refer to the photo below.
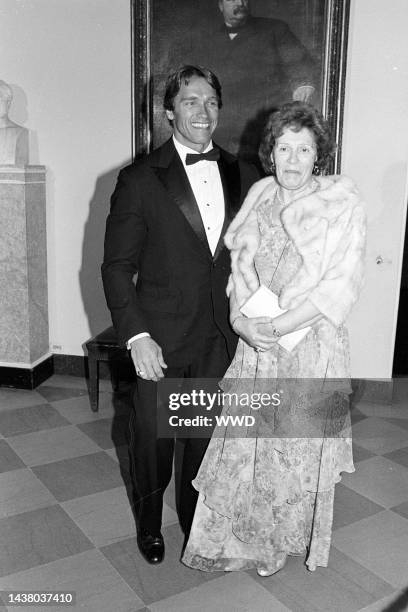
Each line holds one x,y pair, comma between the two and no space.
93,367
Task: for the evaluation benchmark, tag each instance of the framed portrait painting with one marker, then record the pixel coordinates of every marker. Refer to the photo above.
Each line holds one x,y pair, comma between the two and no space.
264,52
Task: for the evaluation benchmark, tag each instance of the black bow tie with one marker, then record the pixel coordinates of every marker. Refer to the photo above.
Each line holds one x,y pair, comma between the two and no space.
193,158
231,30
237,28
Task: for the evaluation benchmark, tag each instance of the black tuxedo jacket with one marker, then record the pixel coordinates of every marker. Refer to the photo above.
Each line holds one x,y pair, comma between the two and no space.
158,272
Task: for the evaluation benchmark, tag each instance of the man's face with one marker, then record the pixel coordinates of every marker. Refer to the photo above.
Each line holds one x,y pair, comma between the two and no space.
235,12
195,114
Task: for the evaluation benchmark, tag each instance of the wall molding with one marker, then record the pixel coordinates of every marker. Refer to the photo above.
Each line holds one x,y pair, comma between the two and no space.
27,377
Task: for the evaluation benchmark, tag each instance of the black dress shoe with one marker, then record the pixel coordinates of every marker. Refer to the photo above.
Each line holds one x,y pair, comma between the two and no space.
151,546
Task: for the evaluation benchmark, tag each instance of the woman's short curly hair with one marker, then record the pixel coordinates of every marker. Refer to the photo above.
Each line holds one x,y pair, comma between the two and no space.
295,116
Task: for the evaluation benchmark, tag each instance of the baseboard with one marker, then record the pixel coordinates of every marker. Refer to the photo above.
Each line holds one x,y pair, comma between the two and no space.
76,365
30,378
378,391
71,365
27,377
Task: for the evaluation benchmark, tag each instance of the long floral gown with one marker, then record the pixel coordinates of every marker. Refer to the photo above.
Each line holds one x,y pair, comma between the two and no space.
267,491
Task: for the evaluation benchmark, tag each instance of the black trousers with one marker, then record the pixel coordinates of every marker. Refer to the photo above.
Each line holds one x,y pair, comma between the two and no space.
151,456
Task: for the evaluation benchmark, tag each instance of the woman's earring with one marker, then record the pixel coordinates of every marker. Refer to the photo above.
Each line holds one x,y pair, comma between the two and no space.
316,169
273,167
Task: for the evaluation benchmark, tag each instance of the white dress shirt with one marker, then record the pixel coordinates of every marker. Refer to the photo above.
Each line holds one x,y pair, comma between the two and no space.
205,181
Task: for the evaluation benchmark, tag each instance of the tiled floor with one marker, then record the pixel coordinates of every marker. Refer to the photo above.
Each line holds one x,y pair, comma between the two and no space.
66,523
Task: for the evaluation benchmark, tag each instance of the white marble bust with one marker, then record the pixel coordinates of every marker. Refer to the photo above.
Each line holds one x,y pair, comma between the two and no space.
13,137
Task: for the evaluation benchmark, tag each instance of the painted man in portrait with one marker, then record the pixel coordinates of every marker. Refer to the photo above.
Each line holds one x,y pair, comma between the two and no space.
261,64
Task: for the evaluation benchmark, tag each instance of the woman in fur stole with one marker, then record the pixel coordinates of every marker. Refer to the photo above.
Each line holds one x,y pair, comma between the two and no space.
267,484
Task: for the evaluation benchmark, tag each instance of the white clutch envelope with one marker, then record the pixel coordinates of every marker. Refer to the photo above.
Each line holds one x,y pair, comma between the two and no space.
264,303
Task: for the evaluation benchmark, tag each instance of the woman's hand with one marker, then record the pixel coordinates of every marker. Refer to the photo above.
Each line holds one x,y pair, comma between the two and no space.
256,331
304,315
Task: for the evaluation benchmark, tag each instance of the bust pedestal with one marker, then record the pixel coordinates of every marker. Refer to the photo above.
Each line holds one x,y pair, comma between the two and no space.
25,359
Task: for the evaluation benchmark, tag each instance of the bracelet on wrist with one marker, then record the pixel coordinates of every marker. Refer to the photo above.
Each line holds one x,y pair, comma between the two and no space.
276,333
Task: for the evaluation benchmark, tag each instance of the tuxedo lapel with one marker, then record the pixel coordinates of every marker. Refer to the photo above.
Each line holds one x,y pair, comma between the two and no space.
173,176
231,184
170,170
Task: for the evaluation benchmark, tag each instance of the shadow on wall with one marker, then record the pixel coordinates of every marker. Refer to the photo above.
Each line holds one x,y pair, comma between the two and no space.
400,604
92,252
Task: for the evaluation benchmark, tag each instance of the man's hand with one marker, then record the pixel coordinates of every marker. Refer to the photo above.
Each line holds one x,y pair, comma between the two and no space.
256,331
147,358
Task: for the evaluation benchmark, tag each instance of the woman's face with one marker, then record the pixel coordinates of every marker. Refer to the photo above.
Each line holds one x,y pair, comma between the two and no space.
294,155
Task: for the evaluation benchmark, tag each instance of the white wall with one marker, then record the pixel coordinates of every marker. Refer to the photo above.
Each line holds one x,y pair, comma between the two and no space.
68,62
375,154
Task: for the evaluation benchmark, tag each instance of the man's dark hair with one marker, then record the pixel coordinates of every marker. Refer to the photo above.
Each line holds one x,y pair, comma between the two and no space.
183,75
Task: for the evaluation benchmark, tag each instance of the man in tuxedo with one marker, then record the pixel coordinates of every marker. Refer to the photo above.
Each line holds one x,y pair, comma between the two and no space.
169,213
